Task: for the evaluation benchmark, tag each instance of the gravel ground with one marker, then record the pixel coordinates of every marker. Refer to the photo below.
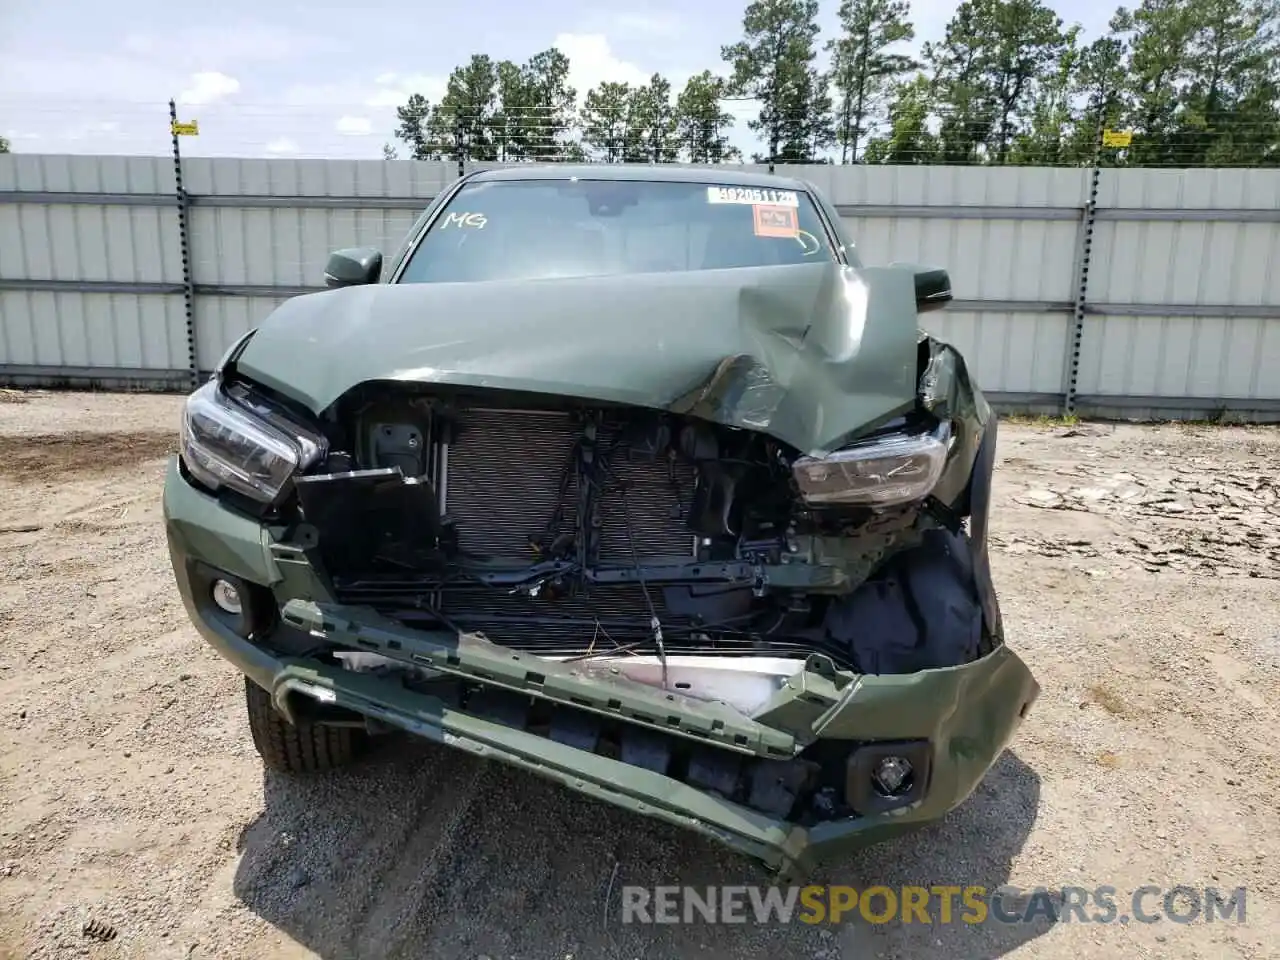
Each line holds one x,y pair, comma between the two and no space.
1137,571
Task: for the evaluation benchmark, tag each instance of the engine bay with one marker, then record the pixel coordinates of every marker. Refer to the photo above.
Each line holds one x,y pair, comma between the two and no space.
726,492
573,530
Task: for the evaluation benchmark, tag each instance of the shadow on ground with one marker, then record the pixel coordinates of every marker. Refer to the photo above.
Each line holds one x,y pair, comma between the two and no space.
428,852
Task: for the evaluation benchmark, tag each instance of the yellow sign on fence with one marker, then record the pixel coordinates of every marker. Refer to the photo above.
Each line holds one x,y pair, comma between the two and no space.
191,129
1117,138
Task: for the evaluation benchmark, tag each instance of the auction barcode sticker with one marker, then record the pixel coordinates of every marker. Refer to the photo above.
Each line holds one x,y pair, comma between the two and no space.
751,195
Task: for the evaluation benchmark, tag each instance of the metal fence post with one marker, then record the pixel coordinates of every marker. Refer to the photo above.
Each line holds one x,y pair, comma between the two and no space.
457,143
1082,278
184,242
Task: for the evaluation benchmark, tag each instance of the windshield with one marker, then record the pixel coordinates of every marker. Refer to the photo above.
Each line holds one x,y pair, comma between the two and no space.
542,229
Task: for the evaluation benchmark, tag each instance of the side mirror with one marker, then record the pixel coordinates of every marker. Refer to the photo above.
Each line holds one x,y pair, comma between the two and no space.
933,288
353,266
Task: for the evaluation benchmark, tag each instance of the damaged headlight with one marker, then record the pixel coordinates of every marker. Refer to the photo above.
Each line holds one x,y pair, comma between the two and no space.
879,471
230,443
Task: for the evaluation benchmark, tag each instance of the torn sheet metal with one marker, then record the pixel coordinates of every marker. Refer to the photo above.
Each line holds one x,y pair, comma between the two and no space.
949,393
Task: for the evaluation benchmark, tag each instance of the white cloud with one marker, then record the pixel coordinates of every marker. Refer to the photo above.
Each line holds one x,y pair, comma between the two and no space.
347,115
97,76
393,89
646,24
241,42
354,126
140,69
68,93
96,130
282,146
209,87
592,62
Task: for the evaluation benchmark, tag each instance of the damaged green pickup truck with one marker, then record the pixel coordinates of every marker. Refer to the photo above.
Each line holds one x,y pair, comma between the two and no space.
635,478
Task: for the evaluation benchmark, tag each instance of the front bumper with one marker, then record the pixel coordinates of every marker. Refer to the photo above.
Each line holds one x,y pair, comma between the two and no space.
966,714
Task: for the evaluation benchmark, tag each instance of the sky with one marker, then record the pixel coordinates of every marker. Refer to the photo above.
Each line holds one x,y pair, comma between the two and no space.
323,79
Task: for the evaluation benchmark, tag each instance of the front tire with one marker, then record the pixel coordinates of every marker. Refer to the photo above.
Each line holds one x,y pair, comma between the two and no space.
300,748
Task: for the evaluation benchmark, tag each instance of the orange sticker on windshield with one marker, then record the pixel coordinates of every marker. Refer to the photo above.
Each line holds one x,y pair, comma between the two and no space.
775,221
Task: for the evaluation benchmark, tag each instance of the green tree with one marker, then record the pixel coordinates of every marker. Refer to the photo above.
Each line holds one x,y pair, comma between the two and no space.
389,152
1048,139
496,111
508,127
910,140
415,128
701,124
654,123
461,121
4,145
607,123
1028,43
989,69
815,130
1228,112
774,64
549,104
862,68
1100,83
964,104
1159,34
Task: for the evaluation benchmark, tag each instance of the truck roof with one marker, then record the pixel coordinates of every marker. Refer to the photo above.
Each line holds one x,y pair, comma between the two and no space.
726,175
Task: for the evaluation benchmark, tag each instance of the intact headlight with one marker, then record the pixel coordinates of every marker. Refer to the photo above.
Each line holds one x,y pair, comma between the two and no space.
880,471
229,443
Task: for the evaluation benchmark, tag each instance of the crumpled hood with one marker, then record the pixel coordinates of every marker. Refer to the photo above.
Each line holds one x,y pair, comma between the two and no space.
805,353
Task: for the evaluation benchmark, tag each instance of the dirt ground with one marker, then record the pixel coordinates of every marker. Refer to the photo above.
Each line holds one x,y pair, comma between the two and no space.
1137,568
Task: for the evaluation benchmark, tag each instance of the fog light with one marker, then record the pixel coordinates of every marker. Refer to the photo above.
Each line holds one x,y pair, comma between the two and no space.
885,776
227,597
891,775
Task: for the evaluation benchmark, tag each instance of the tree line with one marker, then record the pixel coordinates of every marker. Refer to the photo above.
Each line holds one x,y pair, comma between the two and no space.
1196,82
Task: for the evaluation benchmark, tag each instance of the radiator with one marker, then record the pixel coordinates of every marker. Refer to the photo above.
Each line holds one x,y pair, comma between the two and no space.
504,478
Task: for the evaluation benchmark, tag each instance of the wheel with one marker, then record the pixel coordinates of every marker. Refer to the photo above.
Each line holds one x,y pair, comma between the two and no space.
304,748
